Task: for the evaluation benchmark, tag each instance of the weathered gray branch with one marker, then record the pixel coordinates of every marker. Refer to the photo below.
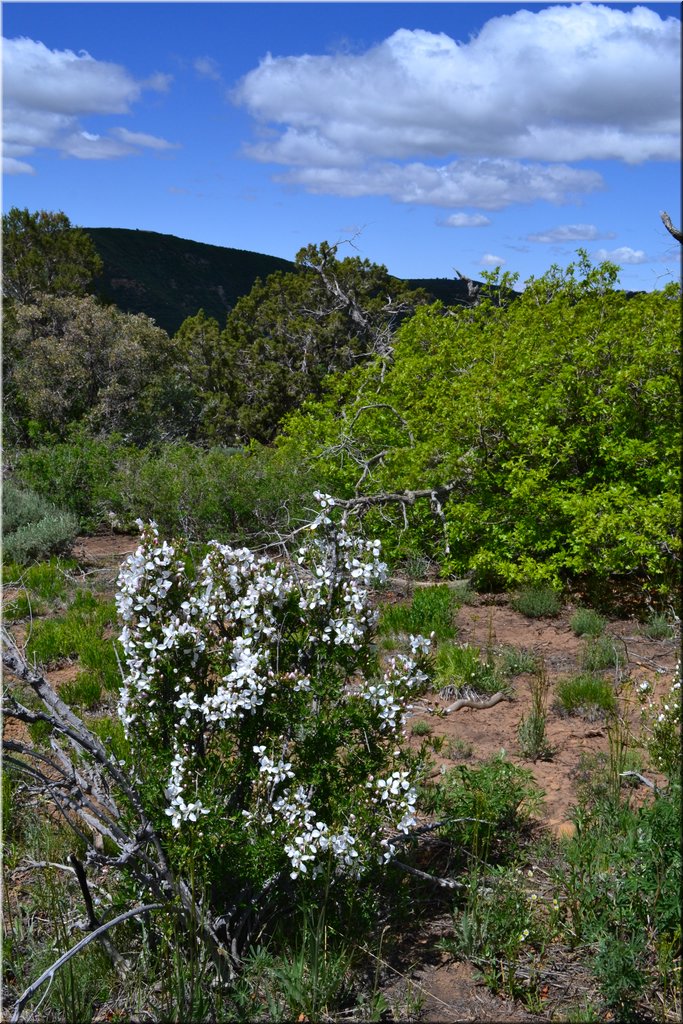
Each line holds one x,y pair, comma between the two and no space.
666,221
53,968
478,705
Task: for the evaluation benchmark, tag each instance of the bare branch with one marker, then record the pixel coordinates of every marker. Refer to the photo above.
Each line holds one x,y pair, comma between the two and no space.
641,778
666,221
444,883
478,705
51,971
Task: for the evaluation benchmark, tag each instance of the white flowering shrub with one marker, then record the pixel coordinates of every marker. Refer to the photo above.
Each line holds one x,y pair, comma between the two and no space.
662,724
263,733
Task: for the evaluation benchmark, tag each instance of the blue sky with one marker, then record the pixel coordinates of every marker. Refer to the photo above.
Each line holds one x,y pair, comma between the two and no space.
435,135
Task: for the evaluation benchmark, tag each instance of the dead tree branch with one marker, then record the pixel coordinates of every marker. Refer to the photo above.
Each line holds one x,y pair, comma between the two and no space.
53,968
79,782
666,221
478,705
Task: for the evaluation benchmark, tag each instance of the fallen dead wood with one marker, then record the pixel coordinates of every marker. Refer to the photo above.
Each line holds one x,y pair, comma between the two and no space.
478,705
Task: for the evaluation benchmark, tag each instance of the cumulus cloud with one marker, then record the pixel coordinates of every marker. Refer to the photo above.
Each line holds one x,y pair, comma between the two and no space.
490,184
571,233
466,220
489,260
560,84
47,93
623,254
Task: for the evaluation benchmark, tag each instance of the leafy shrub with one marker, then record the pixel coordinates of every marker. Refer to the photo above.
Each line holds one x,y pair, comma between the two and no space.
567,460
601,652
586,622
262,764
461,668
431,610
586,695
500,795
33,527
223,493
537,602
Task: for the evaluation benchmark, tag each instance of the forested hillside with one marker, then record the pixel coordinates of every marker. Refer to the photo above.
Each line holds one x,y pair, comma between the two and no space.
170,278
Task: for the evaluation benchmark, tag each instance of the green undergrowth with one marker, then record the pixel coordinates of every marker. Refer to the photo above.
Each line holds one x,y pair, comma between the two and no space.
33,527
430,610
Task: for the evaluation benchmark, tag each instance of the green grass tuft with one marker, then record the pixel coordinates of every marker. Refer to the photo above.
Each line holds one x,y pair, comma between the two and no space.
586,622
586,695
537,602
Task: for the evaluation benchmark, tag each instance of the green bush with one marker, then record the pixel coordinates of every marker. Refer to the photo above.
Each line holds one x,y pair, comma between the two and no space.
586,695
601,652
498,794
431,610
222,493
555,415
33,528
537,602
586,622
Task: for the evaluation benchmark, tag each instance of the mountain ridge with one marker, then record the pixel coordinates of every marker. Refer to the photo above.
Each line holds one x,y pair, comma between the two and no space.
170,278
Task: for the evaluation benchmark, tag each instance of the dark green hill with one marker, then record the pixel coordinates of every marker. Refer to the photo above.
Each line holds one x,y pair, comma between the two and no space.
171,278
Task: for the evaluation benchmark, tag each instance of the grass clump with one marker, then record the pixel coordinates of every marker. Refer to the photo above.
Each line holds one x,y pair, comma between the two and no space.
80,633
458,750
533,741
22,607
586,622
517,661
658,627
431,610
84,692
599,653
586,695
461,669
537,602
421,728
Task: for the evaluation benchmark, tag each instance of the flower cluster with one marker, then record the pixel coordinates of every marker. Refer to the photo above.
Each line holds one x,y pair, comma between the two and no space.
662,723
239,669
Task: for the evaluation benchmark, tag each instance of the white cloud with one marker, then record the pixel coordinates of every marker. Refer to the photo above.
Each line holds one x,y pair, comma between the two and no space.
465,220
560,84
12,166
571,233
624,254
143,139
489,184
48,92
207,67
489,260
